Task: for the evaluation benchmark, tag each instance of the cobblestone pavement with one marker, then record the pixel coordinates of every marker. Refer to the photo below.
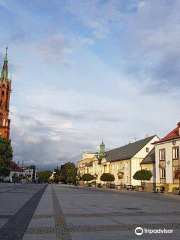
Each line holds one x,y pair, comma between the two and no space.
17,205
77,213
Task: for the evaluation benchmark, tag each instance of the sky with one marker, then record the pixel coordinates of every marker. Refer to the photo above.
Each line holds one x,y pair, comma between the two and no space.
87,70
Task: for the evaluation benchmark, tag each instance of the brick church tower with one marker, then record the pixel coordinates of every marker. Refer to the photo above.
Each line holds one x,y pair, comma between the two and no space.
5,91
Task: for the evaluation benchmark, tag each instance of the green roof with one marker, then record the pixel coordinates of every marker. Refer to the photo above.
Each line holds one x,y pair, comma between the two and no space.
150,158
127,151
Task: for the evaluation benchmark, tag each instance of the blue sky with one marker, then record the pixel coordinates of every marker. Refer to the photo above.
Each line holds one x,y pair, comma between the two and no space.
85,70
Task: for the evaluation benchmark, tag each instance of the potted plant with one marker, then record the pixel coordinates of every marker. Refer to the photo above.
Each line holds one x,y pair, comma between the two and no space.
120,175
177,176
87,177
143,175
107,177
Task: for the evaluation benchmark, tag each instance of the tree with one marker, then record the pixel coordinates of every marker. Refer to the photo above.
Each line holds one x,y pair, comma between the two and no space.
44,176
87,177
6,154
67,173
4,171
143,175
107,177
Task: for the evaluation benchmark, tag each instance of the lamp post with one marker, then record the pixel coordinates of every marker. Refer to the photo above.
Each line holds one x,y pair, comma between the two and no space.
95,177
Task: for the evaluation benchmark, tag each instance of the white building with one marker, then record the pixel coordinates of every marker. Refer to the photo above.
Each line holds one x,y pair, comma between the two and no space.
125,160
32,173
16,173
167,159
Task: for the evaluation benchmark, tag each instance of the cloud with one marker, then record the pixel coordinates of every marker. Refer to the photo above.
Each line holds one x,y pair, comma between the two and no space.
85,115
149,32
43,144
53,49
122,76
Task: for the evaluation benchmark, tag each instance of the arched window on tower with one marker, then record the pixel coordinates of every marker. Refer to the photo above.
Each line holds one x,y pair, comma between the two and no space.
4,122
2,93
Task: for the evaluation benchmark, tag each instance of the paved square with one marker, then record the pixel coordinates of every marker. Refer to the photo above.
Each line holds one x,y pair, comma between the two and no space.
75,213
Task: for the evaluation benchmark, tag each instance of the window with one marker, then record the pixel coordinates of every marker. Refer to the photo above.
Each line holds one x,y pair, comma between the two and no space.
162,154
163,173
147,150
1,119
2,93
4,122
175,152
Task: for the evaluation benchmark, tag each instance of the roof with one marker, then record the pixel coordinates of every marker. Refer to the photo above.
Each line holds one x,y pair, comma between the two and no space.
150,158
172,135
127,151
86,160
15,168
89,164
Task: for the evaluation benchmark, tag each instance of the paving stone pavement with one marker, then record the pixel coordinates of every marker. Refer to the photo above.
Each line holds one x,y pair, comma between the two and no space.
75,213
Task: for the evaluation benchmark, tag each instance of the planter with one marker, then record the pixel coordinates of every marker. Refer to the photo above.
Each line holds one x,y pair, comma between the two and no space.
175,191
139,188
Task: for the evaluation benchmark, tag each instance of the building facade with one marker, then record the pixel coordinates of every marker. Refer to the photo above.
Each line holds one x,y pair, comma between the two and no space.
5,92
86,164
124,161
167,159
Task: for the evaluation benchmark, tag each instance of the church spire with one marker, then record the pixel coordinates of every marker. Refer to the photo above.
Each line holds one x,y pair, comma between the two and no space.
4,72
102,149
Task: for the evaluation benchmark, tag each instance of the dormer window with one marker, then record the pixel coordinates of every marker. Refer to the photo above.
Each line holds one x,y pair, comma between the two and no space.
147,149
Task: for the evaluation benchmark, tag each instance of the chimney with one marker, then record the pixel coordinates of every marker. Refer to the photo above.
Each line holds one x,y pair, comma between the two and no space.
147,135
129,142
179,128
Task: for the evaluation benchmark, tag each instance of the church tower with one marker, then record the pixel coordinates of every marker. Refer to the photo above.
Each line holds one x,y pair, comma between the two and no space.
5,91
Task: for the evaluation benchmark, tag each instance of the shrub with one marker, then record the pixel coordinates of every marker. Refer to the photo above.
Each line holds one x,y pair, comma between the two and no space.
107,177
143,175
87,177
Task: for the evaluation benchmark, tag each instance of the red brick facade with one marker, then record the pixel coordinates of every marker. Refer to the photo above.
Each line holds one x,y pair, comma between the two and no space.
5,91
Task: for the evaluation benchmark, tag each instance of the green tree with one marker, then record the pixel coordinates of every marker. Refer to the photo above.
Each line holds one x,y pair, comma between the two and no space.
67,173
143,175
71,175
44,176
6,155
4,171
87,177
107,177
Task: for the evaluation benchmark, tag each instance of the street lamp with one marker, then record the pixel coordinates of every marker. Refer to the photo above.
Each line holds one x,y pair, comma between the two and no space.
95,177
